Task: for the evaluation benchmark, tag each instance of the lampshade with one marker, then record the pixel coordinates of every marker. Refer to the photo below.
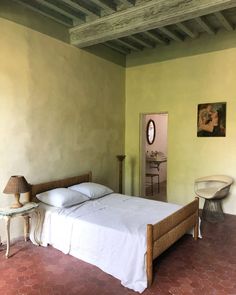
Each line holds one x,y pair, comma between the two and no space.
16,185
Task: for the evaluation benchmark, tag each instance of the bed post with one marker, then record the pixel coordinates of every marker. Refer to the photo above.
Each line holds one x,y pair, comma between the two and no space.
149,254
196,226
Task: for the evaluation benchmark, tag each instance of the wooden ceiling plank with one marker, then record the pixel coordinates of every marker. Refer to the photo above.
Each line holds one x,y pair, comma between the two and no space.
127,44
116,48
225,23
107,5
155,38
81,7
186,30
141,42
205,26
128,2
145,16
76,17
47,12
170,34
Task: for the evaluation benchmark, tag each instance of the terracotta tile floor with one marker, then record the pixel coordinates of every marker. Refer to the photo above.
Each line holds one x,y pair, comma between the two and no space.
207,266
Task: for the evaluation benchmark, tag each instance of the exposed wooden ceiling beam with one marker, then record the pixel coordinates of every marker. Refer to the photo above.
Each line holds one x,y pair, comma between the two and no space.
145,16
186,30
117,48
142,42
107,5
127,44
78,5
155,37
225,23
205,26
58,7
52,14
171,34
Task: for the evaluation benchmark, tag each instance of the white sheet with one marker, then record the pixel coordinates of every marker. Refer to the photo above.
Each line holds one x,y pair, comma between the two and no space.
109,232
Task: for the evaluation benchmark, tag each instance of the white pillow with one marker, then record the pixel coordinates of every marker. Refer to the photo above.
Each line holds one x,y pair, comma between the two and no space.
91,189
62,197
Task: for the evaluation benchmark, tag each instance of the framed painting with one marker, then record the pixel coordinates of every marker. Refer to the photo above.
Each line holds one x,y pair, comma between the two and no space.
211,119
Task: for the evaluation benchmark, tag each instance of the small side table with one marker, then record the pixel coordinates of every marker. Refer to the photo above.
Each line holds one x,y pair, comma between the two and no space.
24,211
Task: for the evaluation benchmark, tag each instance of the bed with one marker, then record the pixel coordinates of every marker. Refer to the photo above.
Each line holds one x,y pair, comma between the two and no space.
151,237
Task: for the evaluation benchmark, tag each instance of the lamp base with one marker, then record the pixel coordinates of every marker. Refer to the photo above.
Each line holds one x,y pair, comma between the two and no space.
17,202
17,205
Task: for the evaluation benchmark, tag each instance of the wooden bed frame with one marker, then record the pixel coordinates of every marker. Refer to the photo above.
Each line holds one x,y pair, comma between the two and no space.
160,236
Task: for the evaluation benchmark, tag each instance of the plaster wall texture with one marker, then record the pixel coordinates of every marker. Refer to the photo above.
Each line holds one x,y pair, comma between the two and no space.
61,111
158,81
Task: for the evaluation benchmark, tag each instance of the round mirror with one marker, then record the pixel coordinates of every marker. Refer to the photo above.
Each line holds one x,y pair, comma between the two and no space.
151,131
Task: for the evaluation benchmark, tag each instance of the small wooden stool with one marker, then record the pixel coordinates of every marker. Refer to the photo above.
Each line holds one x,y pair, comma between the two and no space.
151,175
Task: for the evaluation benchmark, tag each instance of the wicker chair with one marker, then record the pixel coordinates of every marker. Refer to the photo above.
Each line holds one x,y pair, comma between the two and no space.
213,189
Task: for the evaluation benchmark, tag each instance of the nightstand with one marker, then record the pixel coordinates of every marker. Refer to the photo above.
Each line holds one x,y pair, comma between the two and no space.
25,211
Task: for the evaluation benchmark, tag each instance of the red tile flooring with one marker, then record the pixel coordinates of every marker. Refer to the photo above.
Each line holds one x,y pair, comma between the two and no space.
207,266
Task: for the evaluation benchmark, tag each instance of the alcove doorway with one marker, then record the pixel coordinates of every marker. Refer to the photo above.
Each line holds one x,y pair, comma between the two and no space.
153,156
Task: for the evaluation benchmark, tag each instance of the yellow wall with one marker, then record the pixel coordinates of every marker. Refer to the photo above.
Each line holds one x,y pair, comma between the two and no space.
176,79
61,111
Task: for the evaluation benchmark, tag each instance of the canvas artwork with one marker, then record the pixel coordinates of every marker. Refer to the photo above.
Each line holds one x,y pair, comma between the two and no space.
211,119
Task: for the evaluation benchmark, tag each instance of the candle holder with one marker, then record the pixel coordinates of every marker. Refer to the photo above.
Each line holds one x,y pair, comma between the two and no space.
120,159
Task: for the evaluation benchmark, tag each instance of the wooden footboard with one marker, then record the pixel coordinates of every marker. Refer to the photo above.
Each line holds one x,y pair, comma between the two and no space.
163,234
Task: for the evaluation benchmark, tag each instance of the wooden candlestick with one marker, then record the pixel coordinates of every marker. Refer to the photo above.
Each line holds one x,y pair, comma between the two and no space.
120,159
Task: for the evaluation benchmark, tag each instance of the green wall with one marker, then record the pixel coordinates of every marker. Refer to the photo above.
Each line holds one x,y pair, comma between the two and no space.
175,79
62,111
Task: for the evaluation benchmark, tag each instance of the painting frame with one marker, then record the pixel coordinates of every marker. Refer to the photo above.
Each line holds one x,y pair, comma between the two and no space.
211,119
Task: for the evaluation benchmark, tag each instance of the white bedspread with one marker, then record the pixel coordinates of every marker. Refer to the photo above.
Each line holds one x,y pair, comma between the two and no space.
109,232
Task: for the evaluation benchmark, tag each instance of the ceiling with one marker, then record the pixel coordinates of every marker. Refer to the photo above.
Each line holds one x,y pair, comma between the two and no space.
128,25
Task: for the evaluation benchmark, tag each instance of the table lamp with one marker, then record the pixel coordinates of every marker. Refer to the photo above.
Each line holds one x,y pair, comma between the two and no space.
16,185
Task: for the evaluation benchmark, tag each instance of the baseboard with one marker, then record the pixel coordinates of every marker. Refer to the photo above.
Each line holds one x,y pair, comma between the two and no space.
13,240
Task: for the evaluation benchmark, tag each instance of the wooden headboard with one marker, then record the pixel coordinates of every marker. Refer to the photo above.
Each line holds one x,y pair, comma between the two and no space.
43,187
